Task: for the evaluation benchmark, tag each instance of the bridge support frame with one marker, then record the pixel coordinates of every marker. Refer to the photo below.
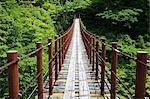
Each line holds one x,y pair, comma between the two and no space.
60,54
39,45
90,40
13,75
56,58
114,62
97,55
103,66
50,54
62,41
93,53
141,72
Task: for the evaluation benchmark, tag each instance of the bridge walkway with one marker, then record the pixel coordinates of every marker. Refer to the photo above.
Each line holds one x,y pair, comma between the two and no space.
76,79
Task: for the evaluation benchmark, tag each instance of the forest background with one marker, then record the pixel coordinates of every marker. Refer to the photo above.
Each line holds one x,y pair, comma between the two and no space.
24,22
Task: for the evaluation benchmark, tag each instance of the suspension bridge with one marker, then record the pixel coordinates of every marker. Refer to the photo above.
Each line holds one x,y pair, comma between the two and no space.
77,69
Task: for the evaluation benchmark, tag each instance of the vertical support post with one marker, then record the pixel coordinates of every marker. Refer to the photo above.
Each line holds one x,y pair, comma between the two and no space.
90,49
141,71
60,61
114,62
40,70
65,45
97,54
50,54
56,58
88,46
62,41
103,66
93,53
13,75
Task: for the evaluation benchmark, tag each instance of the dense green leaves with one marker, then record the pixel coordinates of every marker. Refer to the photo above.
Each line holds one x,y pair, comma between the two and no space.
124,17
76,5
21,26
23,23
124,21
24,26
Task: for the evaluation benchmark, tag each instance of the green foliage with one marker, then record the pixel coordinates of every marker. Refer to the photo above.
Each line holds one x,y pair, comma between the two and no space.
127,45
53,9
141,42
21,27
124,17
76,5
22,24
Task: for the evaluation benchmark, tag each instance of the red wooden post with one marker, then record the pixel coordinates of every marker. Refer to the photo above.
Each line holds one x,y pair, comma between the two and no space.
93,53
62,51
114,62
66,44
60,58
56,58
88,46
141,71
90,49
86,43
63,48
64,40
103,66
13,75
50,54
97,54
40,70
